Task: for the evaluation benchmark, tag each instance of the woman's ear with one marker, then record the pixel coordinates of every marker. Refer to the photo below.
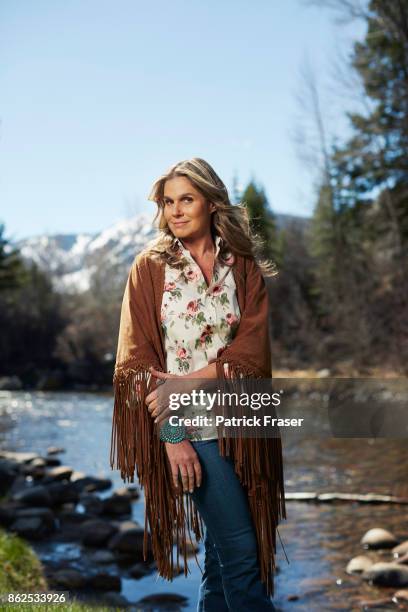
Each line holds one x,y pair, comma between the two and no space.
213,207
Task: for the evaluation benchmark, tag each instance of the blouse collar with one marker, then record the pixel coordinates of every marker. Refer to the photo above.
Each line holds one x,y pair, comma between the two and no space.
187,253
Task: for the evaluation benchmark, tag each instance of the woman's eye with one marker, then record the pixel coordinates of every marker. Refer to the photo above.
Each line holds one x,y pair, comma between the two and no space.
188,199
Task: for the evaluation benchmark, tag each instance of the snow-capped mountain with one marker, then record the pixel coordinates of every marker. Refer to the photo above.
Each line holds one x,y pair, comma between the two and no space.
72,259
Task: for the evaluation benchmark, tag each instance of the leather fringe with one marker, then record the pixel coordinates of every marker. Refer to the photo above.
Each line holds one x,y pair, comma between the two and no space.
259,466
135,444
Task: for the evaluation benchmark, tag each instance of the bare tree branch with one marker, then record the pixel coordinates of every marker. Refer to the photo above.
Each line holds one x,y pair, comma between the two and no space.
310,132
347,10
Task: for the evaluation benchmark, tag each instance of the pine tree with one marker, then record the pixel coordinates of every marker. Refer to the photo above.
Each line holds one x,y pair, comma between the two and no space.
11,266
375,159
262,220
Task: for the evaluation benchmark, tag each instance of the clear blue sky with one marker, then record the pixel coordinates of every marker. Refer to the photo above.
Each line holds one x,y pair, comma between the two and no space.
98,98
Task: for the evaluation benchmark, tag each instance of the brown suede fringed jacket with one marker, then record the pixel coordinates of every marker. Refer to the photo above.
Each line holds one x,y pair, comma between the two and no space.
135,443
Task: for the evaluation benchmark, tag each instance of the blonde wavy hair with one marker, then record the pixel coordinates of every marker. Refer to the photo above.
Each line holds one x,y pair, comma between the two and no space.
230,221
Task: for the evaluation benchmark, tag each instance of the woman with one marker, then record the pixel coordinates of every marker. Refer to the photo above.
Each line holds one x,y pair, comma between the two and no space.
195,307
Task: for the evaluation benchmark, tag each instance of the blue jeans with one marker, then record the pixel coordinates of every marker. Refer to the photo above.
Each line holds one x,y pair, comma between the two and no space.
231,578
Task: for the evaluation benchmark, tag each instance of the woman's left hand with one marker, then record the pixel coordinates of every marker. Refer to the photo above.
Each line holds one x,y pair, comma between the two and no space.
158,412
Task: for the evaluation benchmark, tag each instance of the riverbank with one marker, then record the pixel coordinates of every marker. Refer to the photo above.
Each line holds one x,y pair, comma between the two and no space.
22,575
56,508
341,371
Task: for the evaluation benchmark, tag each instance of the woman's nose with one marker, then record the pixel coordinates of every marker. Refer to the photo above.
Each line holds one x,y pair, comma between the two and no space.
177,209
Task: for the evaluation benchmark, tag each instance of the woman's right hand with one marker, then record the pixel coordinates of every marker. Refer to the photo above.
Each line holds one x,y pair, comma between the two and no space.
183,457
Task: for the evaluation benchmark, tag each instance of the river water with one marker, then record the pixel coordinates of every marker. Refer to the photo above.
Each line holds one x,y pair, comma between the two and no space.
319,538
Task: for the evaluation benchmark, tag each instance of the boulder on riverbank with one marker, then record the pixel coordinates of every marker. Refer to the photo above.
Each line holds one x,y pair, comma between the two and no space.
377,538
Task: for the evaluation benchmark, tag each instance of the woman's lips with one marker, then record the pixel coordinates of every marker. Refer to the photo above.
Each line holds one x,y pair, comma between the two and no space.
179,222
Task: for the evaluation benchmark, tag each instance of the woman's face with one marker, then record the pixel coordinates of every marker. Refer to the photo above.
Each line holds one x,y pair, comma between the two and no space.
185,209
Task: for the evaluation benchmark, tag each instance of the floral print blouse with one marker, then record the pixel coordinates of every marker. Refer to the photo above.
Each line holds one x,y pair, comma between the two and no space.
198,321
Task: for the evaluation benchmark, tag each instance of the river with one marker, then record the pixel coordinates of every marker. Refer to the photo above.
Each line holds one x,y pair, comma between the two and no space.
319,538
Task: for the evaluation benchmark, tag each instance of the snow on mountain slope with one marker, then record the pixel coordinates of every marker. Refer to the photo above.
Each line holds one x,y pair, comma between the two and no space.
72,259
